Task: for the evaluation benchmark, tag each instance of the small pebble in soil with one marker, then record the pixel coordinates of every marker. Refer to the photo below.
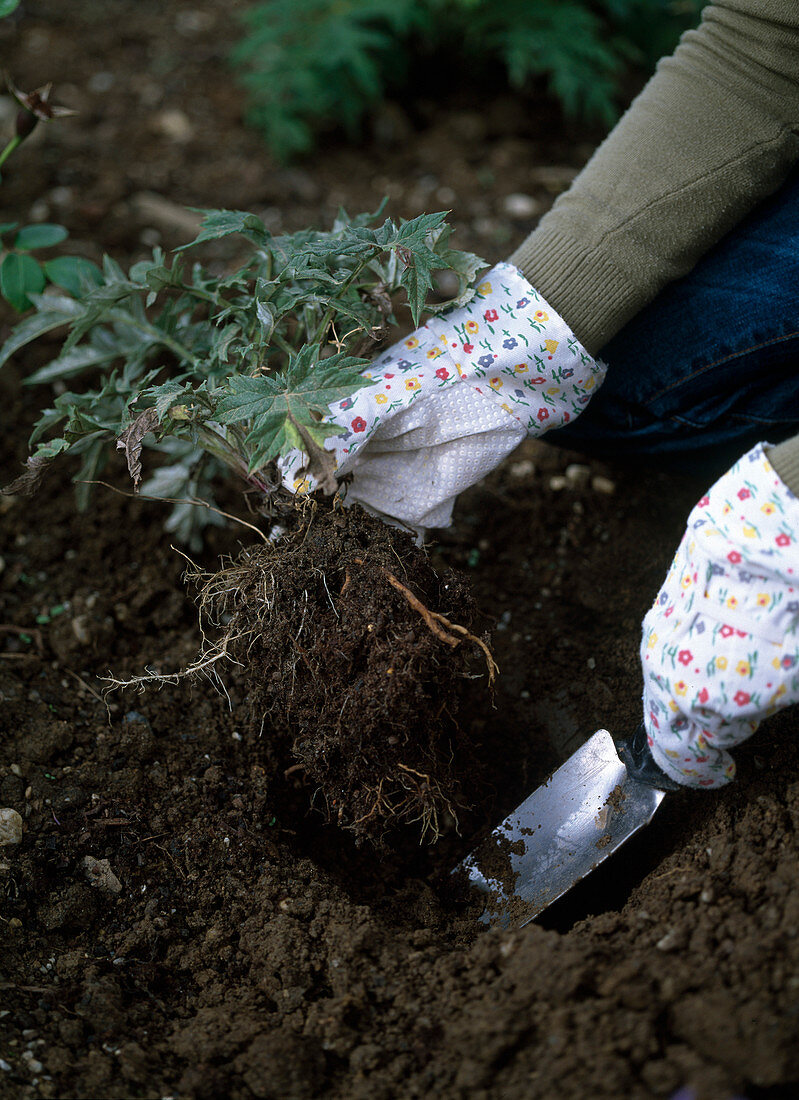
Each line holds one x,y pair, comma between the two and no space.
10,827
174,125
603,485
672,941
81,629
522,469
98,873
34,1065
577,473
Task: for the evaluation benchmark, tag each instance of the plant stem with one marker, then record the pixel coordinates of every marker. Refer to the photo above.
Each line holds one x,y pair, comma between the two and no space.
9,149
282,343
217,445
331,309
205,295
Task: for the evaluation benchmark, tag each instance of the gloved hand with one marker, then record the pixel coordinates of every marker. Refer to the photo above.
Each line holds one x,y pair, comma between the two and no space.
444,406
720,647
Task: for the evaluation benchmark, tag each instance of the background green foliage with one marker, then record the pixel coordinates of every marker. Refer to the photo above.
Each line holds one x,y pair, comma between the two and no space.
309,65
23,274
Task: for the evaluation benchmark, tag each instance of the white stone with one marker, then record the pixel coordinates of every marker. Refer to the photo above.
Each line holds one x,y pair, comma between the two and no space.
603,485
577,473
10,827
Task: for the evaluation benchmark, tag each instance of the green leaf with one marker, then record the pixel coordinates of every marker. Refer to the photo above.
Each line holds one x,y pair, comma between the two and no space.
416,276
7,7
417,229
280,409
167,395
73,273
223,223
191,477
71,363
95,450
52,313
39,236
6,227
20,276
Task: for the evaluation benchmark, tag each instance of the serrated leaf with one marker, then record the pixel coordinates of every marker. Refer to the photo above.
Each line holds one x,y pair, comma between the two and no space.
167,395
20,276
280,409
416,277
73,273
223,223
156,274
417,229
43,235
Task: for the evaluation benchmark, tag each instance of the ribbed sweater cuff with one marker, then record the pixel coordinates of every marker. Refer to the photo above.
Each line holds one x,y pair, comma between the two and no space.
583,285
785,460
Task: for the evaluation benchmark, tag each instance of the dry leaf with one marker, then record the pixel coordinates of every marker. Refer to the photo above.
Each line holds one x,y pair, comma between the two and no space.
131,442
27,484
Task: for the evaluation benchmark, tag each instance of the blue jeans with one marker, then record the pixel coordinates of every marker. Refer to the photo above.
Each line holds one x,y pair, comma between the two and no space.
711,366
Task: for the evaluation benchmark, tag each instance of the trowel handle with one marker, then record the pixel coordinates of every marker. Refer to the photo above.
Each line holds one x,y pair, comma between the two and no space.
636,756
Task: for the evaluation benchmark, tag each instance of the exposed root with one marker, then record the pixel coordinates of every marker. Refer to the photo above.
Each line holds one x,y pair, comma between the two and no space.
205,664
440,625
345,687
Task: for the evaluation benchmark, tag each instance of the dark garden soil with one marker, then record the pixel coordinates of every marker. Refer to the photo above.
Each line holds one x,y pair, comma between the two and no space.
238,943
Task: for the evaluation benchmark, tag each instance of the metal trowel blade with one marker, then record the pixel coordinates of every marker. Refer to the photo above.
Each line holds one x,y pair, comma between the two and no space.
566,828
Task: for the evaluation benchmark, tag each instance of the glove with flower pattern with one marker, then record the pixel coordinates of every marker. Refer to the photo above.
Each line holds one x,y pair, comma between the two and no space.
720,648
443,407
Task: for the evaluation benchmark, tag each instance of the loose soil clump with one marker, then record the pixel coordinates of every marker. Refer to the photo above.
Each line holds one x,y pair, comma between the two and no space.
354,667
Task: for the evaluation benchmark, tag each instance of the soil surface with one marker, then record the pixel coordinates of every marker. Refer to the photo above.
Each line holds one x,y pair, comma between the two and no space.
172,924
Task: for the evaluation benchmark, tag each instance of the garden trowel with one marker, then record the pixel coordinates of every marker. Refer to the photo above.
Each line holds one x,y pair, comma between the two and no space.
601,796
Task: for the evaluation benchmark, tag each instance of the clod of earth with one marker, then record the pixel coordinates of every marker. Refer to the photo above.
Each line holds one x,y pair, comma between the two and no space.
354,668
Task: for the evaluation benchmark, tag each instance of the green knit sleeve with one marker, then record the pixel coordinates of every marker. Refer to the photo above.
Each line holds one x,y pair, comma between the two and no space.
715,131
785,460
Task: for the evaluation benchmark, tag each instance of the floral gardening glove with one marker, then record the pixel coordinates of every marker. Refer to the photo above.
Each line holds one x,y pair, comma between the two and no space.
443,407
720,648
